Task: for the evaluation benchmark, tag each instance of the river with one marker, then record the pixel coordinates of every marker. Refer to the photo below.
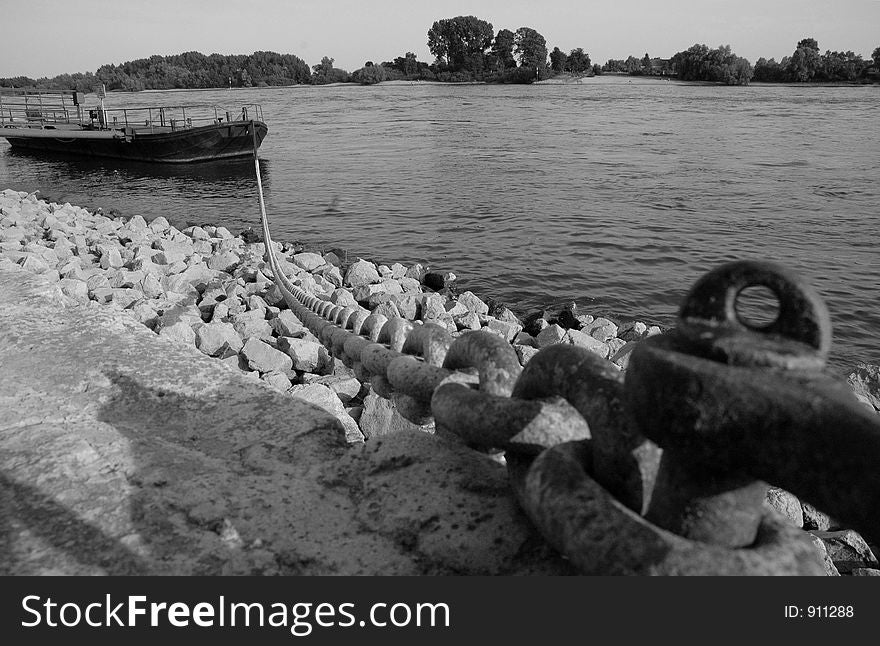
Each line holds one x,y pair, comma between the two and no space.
616,193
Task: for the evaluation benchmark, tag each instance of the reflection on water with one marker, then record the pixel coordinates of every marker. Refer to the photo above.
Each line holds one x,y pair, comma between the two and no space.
129,187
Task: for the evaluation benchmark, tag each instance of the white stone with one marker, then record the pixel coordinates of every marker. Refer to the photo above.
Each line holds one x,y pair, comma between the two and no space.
263,357
323,397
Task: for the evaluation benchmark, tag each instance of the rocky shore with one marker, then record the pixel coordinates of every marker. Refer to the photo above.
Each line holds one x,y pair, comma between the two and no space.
206,288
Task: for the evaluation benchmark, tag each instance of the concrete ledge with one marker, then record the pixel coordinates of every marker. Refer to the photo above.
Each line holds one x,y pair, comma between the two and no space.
122,452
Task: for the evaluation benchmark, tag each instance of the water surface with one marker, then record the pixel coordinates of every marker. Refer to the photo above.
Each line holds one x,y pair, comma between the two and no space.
615,193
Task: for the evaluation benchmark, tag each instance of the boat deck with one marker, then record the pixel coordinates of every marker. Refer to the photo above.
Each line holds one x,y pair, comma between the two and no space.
63,109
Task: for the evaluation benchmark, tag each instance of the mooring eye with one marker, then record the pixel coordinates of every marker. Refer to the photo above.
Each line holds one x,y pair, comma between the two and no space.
757,307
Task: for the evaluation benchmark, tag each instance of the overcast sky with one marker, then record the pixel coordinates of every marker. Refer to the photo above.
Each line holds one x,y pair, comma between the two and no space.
50,37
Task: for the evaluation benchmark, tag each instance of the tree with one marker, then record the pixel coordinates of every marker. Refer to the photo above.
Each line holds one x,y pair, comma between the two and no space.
325,73
876,58
460,42
769,71
531,49
720,65
369,74
578,61
558,59
841,66
805,61
502,50
646,64
633,65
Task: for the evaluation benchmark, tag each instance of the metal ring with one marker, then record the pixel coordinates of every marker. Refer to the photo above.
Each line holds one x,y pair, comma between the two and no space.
599,535
800,337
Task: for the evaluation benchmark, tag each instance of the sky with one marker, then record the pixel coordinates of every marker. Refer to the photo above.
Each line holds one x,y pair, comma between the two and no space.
49,37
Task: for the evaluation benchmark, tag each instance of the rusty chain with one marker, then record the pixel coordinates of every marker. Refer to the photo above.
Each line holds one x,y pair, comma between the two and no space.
663,471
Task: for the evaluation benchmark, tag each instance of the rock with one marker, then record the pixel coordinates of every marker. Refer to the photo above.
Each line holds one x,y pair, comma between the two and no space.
263,357
621,357
361,272
865,381
601,329
144,313
416,272
651,331
550,335
388,310
101,294
333,258
505,314
819,544
122,297
506,329
524,353
180,332
410,285
332,275
535,322
526,339
224,261
75,289
473,303
159,225
407,304
218,339
848,550
380,417
363,293
278,380
467,321
343,298
587,341
33,264
223,233
863,571
252,324
786,504
305,354
196,233
308,261
287,324
151,286
815,519
398,271
632,330
433,306
323,397
257,304
346,388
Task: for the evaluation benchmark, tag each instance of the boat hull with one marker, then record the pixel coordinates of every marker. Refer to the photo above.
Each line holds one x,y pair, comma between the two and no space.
205,143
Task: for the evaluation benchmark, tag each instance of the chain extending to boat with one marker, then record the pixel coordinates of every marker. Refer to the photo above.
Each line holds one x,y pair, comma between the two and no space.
661,469
58,121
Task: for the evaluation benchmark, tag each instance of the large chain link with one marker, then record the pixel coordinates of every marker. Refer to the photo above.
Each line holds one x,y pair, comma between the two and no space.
565,426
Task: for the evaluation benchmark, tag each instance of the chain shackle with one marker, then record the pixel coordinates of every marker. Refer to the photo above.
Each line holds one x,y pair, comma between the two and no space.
624,460
600,535
730,407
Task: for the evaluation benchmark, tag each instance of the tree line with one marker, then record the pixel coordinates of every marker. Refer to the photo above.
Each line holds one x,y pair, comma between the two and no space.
465,48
